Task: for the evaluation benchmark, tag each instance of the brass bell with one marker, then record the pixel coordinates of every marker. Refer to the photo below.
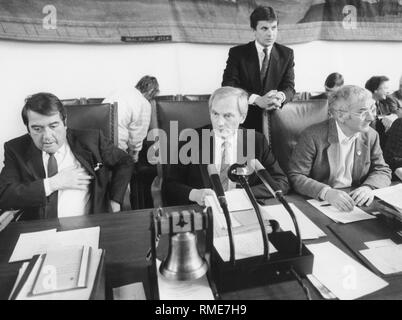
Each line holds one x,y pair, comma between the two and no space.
183,261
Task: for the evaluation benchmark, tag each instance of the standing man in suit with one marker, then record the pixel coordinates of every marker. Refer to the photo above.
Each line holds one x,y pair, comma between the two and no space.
227,144
53,171
341,152
263,68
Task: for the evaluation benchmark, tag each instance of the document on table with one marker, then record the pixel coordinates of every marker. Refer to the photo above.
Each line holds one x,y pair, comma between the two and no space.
391,195
219,217
197,289
385,255
342,275
30,244
247,245
333,213
76,294
238,200
133,291
69,266
308,229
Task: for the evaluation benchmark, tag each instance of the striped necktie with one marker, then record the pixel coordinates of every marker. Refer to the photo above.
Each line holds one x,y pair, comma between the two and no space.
223,174
51,207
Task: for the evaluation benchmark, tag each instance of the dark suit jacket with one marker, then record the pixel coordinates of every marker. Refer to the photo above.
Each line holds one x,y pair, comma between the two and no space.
243,71
314,158
181,179
21,180
393,146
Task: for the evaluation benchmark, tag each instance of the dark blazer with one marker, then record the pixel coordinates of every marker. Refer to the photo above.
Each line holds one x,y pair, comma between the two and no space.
181,179
243,71
393,146
314,158
21,179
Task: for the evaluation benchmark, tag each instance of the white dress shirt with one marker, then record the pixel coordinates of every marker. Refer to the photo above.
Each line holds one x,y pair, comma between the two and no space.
232,153
69,202
346,152
134,117
342,176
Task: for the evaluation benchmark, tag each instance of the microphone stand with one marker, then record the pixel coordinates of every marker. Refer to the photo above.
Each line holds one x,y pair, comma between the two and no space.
230,233
236,176
279,196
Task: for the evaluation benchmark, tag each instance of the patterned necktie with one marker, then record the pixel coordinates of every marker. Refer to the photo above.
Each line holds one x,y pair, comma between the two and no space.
51,208
264,67
223,174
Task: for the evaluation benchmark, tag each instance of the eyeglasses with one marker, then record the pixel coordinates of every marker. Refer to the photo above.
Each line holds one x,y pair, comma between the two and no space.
369,112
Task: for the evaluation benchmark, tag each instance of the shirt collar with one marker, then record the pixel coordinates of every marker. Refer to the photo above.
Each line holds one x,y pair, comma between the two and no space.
260,48
342,137
60,152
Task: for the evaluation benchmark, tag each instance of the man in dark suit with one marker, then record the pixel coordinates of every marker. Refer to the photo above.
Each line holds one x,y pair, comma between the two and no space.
263,68
54,171
222,144
393,147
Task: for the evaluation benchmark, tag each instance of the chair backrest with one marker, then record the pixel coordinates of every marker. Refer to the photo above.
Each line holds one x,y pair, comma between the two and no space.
94,116
80,101
285,126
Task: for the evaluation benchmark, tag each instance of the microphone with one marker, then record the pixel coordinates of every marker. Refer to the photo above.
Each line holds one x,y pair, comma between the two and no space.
220,194
266,178
273,187
217,185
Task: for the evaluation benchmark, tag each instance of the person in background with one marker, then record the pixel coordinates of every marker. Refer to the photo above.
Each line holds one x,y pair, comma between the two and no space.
393,148
53,171
134,113
388,108
263,68
332,83
398,93
341,152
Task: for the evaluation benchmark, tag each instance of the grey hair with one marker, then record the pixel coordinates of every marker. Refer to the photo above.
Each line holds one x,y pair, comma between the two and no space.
343,98
225,92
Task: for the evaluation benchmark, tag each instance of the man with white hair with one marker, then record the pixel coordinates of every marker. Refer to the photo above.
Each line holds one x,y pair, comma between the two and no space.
222,144
341,152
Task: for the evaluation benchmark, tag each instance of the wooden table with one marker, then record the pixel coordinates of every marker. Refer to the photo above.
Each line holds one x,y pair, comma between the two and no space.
126,239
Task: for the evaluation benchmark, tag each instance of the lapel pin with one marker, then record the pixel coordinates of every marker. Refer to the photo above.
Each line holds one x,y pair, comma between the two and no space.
98,166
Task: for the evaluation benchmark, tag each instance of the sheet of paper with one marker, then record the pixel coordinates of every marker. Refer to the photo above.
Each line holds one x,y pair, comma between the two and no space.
387,259
238,200
198,289
82,237
380,243
133,291
341,274
6,217
247,245
331,212
66,266
219,217
76,294
308,229
32,243
391,195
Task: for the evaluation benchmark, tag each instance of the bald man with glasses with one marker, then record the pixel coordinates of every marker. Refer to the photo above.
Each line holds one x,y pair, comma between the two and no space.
342,152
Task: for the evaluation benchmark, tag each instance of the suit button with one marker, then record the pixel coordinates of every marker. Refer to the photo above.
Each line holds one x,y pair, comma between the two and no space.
359,152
